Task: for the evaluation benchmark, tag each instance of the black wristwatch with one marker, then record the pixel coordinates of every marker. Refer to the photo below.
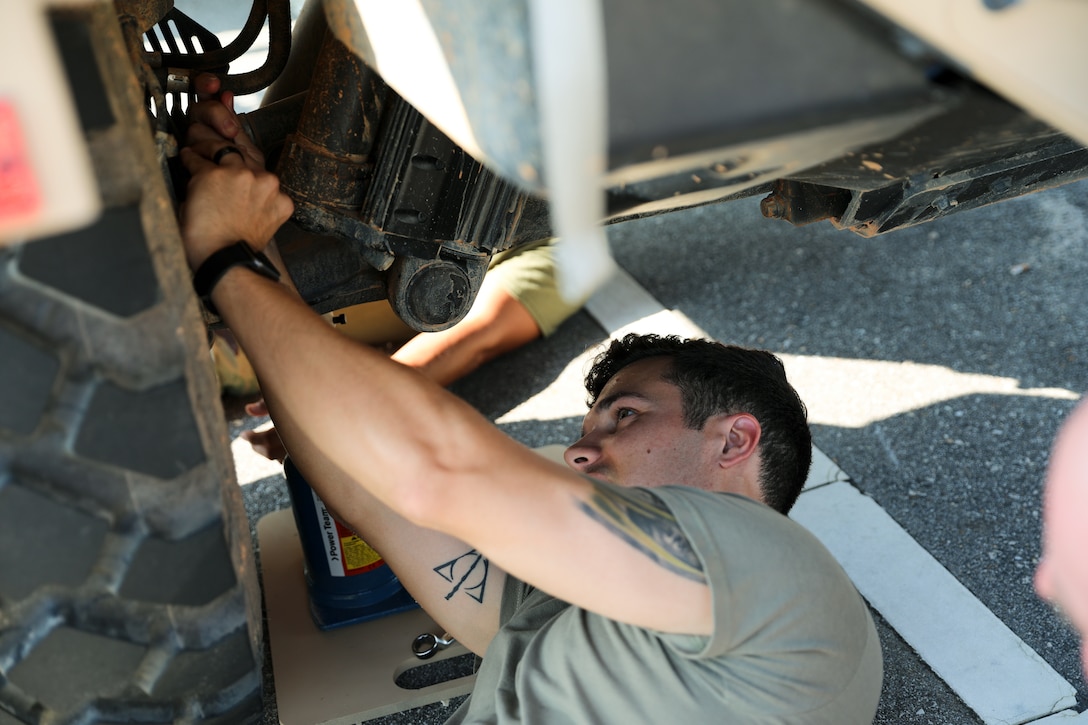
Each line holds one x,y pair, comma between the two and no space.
217,264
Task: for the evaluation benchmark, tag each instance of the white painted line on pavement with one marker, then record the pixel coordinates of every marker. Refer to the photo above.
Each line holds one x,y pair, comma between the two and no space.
823,471
991,669
622,305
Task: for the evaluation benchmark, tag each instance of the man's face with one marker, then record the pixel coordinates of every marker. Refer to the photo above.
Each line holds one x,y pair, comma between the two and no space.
1062,576
635,434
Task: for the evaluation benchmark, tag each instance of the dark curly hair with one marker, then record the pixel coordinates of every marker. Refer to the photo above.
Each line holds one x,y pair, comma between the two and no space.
725,379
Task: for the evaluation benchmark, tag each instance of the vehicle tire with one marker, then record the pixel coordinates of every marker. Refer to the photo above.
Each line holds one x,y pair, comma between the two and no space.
128,589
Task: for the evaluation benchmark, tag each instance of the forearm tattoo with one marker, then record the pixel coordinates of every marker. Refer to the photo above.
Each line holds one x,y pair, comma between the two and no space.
467,573
640,519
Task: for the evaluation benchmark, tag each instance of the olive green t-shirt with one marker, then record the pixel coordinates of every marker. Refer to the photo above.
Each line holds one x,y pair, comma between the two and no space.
529,275
793,641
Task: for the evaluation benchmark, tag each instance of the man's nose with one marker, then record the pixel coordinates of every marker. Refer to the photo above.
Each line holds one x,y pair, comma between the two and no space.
582,454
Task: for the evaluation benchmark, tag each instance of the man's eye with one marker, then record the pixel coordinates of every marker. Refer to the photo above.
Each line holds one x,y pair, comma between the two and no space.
622,413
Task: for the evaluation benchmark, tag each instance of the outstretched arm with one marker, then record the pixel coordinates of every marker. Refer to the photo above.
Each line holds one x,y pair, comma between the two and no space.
497,324
377,433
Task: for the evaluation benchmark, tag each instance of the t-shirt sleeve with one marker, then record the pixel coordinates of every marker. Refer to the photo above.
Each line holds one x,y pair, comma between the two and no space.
766,573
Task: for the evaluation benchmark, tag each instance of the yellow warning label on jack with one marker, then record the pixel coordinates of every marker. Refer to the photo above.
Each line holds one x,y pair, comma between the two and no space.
358,555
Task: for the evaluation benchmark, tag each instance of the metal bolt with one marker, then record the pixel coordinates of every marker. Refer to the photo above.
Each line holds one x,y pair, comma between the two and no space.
773,207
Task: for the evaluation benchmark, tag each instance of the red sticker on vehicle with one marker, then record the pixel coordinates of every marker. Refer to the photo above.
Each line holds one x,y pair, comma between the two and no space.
19,193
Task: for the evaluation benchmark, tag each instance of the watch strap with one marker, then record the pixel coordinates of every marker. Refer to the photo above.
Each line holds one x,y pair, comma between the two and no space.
220,262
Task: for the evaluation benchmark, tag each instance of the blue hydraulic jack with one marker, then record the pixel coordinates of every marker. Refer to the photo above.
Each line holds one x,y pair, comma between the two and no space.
347,580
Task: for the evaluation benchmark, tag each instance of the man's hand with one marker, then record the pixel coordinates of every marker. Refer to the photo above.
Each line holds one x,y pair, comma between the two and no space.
229,202
266,442
234,199
214,123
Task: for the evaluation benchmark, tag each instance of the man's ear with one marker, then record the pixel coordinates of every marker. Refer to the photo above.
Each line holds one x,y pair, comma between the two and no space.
739,435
